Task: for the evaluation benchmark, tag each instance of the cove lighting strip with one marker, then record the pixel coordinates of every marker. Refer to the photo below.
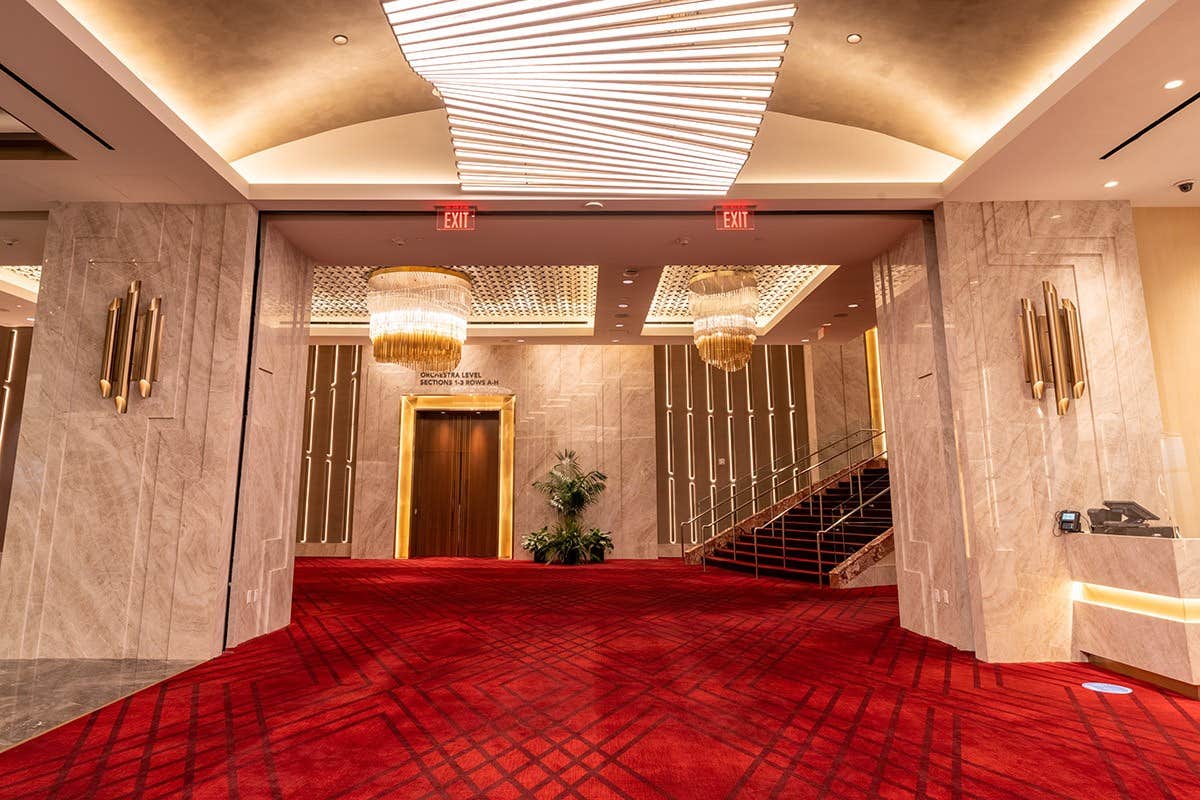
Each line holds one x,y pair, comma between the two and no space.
602,96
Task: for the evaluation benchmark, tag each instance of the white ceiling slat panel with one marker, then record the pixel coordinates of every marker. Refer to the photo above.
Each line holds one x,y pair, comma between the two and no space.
622,97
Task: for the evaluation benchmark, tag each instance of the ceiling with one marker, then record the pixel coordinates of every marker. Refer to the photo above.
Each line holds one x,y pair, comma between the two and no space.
926,87
942,75
18,295
616,243
176,91
1058,155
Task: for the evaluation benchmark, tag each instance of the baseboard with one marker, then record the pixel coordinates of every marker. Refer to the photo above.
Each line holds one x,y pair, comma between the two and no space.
1188,690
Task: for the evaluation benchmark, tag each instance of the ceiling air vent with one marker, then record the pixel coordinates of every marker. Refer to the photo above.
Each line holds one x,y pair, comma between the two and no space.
20,142
1151,126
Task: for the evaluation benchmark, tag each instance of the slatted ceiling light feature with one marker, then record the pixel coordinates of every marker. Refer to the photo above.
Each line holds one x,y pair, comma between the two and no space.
616,51
617,96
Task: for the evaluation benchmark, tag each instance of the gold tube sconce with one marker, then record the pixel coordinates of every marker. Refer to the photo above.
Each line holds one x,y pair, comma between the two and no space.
132,343
1052,348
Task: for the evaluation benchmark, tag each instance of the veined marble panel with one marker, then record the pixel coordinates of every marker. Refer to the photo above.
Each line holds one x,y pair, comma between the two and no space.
119,527
598,401
1010,462
260,598
931,568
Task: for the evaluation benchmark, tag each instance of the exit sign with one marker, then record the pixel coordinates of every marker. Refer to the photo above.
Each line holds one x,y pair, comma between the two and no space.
456,218
734,217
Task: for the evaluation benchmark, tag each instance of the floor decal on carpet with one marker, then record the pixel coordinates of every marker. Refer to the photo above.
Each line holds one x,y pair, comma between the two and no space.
447,678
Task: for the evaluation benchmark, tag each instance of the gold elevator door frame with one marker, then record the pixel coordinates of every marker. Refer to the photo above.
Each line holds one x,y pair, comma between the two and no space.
409,406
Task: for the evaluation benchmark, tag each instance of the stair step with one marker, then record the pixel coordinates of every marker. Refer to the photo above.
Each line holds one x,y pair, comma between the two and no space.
774,571
788,548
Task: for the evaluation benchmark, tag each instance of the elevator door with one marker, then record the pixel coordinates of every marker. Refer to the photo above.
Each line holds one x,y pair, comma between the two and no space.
456,484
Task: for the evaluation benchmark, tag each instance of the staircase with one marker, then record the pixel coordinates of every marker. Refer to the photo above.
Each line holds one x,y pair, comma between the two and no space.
809,540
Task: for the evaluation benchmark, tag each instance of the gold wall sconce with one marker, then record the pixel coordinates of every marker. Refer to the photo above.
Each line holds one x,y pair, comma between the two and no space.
1053,349
132,342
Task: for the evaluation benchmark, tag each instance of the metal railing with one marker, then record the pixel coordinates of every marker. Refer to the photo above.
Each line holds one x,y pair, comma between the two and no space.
830,539
802,475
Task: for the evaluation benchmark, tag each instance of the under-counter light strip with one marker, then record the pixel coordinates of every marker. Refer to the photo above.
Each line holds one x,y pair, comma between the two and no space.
600,96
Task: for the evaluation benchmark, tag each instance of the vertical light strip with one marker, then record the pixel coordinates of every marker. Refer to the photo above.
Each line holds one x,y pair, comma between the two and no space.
351,446
791,399
772,450
602,96
332,392
314,360
672,519
875,386
752,437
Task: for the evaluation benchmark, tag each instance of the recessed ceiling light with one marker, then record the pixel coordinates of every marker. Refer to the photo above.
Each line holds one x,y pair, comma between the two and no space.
805,340
340,39
627,281
520,341
29,319
1111,184
852,305
622,305
854,38
616,340
826,324
620,324
1175,84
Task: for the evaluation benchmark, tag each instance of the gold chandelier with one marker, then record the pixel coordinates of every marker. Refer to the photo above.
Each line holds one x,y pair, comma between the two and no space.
419,316
724,306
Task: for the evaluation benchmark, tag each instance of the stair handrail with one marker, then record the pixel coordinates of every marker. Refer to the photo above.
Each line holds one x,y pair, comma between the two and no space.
856,467
853,471
735,509
773,470
821,534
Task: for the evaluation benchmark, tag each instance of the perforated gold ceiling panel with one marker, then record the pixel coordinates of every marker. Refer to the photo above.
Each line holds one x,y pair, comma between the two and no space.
500,294
778,286
30,273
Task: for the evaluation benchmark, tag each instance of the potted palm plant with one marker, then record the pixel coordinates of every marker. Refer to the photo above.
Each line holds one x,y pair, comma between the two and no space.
570,491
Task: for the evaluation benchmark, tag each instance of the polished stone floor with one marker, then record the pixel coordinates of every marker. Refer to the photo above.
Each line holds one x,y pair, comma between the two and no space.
37,695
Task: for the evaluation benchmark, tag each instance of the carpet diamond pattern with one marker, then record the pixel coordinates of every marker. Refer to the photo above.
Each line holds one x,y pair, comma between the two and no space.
448,678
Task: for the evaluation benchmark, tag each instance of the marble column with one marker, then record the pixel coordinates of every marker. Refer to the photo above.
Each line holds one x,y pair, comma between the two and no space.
119,530
260,596
980,467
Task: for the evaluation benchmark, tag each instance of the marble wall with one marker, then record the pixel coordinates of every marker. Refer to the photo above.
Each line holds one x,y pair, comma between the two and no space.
841,400
926,502
260,597
1169,252
980,467
119,527
598,401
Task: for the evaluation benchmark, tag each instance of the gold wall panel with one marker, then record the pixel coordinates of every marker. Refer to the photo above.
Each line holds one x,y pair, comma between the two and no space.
14,364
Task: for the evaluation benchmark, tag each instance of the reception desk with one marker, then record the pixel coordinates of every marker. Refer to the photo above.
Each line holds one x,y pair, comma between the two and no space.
1136,606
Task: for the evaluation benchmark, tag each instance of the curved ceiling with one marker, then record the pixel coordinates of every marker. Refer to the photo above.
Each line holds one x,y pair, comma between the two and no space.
252,74
256,74
945,75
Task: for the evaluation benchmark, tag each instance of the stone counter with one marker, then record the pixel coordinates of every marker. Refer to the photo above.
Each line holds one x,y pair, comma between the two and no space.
1136,602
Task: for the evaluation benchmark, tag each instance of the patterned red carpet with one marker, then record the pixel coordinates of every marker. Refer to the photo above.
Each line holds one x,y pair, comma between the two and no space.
476,679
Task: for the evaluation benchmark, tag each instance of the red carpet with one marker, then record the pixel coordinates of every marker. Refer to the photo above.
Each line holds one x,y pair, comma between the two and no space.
462,679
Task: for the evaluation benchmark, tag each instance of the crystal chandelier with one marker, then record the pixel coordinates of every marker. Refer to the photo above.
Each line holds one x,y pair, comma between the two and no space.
419,316
724,306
